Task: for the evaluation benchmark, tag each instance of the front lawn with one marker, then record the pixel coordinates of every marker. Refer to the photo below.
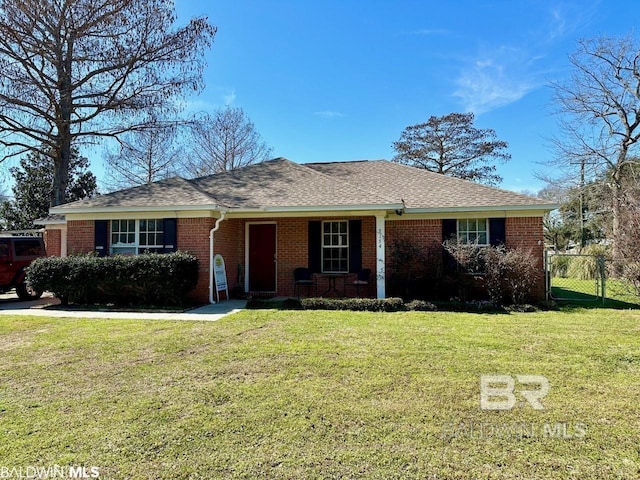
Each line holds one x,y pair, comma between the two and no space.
300,394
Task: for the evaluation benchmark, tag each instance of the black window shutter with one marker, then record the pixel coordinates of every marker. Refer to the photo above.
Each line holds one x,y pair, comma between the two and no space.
449,229
101,237
355,246
315,246
170,229
497,231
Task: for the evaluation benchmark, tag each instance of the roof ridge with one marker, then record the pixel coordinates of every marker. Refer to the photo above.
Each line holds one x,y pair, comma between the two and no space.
245,167
193,185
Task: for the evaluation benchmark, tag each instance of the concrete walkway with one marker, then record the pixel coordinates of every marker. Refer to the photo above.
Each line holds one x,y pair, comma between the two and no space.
48,306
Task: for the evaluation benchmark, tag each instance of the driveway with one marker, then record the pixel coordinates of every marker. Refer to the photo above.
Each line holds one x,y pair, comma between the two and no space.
10,301
10,304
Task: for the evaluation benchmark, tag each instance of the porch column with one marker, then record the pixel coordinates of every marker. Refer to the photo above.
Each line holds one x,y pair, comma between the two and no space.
380,262
63,241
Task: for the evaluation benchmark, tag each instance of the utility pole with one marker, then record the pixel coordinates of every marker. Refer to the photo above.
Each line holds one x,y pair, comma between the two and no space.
582,232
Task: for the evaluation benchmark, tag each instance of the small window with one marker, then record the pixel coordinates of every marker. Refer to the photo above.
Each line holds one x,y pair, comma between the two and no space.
473,231
335,247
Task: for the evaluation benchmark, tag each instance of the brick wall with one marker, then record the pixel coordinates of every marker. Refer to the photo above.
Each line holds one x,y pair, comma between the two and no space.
527,233
523,232
53,242
292,245
80,236
193,237
229,242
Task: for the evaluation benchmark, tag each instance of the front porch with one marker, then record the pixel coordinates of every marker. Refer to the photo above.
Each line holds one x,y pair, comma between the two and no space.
262,254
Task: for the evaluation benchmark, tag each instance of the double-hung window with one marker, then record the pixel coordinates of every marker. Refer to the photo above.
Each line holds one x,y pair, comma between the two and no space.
335,246
473,231
151,236
131,237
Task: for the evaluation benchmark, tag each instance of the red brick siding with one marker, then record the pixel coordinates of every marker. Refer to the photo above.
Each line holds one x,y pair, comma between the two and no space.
193,237
527,233
229,242
292,245
80,236
423,233
53,242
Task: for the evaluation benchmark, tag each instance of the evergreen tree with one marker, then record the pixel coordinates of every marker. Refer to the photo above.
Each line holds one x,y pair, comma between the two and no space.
34,184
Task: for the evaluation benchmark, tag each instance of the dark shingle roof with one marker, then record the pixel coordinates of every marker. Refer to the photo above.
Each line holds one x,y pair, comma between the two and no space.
423,189
174,191
281,183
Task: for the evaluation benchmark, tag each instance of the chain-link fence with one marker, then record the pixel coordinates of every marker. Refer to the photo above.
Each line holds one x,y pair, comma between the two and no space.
576,278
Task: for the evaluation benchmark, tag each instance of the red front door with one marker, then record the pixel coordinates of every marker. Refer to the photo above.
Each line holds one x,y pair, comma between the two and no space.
262,257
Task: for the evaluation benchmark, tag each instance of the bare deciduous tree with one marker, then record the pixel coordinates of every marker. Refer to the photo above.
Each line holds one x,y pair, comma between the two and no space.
452,146
599,108
78,70
226,140
145,156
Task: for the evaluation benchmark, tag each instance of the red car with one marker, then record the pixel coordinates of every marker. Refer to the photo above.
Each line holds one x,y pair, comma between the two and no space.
16,254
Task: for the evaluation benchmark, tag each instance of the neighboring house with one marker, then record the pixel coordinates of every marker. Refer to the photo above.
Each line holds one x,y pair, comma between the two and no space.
270,218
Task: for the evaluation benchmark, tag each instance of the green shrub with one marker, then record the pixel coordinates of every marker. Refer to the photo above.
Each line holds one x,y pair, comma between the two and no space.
149,279
559,265
269,303
355,304
420,306
586,266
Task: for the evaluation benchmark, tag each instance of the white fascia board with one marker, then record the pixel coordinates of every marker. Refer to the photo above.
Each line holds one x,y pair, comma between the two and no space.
114,210
318,208
51,222
497,208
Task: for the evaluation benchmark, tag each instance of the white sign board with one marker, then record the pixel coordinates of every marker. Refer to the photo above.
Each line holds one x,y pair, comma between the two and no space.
220,274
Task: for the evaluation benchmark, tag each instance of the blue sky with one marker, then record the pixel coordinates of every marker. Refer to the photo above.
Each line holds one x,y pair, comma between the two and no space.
340,79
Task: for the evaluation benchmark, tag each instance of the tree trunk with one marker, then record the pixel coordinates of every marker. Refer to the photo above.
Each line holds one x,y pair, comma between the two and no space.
63,123
61,171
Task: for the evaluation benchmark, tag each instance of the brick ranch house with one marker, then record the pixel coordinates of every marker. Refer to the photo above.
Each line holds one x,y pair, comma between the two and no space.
271,218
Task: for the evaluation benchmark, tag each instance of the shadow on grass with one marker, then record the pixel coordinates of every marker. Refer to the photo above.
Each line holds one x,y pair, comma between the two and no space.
570,299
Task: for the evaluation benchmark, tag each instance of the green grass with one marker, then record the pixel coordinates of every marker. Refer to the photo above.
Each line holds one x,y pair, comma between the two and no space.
277,394
587,293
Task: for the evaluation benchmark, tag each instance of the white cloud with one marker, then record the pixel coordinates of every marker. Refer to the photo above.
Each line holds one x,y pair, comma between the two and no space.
497,79
329,114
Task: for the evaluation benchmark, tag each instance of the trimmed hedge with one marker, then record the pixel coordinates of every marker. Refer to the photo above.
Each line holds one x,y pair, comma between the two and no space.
352,304
148,279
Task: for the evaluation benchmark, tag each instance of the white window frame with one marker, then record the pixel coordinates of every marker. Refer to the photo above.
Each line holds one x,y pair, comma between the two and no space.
340,245
157,233
135,247
466,234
